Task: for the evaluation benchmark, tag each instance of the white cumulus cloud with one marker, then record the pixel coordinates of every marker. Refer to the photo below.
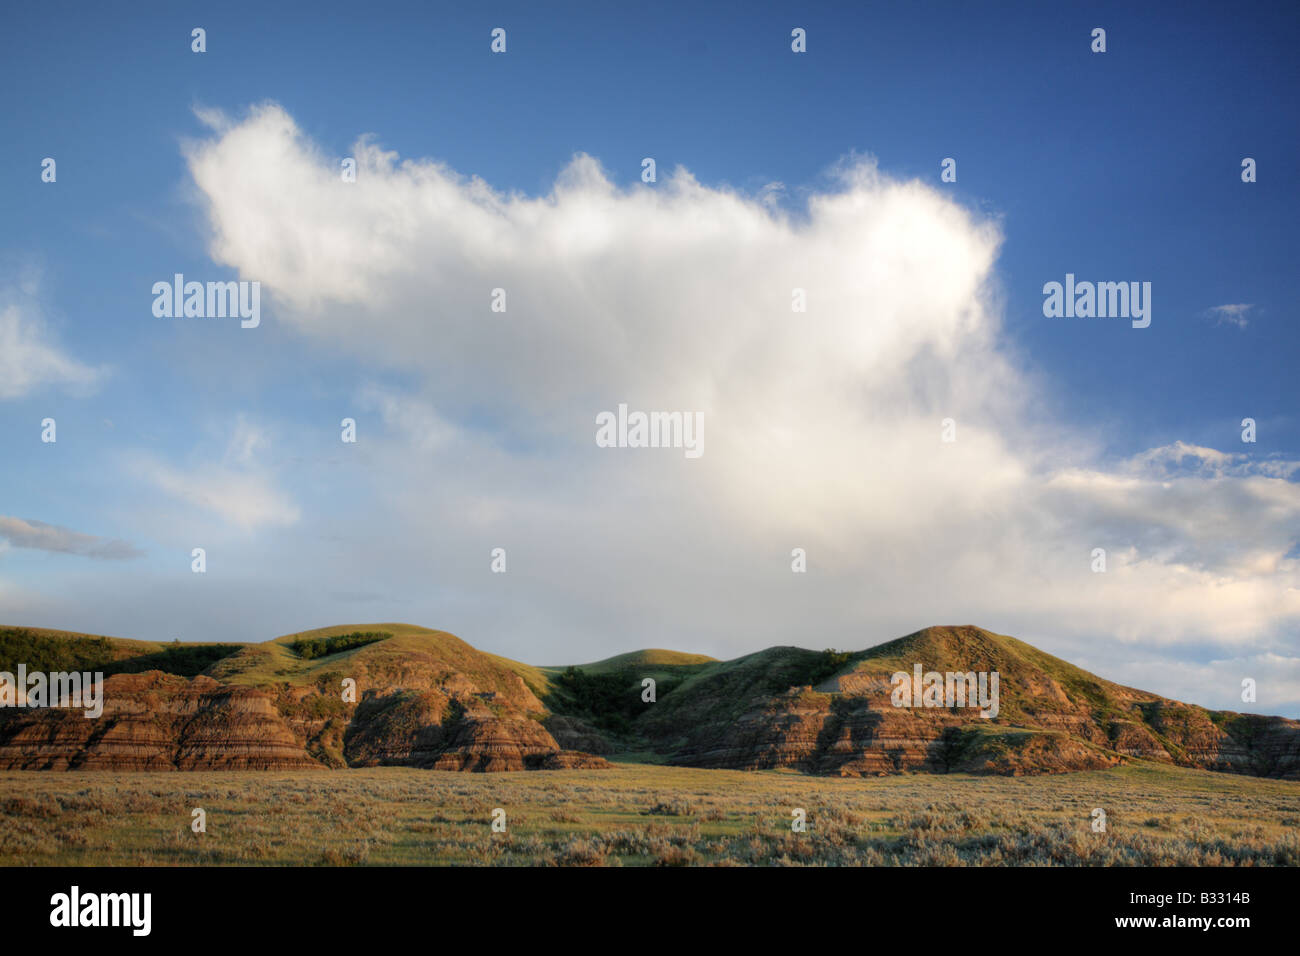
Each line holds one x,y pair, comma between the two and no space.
823,427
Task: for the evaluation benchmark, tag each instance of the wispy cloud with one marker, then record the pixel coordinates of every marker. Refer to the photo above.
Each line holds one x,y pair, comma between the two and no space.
39,536
247,499
29,357
1231,314
237,485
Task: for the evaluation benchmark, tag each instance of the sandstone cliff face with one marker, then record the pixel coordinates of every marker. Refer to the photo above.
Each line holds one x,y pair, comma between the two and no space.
1054,718
427,699
855,737
419,709
445,730
414,710
155,721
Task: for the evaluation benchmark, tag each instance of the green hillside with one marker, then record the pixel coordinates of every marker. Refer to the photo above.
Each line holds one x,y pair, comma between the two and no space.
824,711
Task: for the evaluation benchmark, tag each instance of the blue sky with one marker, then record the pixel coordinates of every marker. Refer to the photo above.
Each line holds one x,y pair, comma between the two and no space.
1115,167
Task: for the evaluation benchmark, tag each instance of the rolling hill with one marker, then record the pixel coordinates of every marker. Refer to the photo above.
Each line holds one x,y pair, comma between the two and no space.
426,698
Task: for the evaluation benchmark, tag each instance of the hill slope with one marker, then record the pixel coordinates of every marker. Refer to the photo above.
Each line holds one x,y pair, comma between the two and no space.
422,698
426,698
1052,716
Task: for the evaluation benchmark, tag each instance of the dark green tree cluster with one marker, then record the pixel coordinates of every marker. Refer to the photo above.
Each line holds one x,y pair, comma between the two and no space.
608,701
40,652
806,668
312,648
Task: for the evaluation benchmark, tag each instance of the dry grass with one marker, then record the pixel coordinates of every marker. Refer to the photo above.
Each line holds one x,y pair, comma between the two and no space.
647,815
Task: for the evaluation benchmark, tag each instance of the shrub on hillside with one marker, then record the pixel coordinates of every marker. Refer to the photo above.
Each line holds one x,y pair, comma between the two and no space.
312,648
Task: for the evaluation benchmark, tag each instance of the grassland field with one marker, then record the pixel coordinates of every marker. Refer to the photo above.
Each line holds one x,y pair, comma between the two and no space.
639,814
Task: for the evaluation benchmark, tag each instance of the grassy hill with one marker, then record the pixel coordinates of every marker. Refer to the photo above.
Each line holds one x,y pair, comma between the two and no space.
425,694
41,649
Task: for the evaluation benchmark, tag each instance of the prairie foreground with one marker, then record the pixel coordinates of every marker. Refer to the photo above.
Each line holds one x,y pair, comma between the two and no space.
640,814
